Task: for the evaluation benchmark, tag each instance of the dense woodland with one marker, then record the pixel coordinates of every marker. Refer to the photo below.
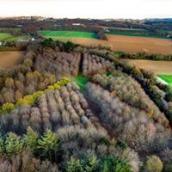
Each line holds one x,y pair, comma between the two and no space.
120,121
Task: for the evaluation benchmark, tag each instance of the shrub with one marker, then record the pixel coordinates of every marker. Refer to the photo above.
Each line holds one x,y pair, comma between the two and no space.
28,62
154,164
48,43
69,46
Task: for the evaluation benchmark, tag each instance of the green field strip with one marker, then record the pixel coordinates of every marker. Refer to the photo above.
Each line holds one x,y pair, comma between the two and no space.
67,34
166,78
10,37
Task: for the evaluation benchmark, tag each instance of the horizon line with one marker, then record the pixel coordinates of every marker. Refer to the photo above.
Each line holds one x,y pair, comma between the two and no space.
47,17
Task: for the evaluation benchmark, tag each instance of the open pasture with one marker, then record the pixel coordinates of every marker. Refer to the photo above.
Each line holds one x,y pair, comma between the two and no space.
67,34
123,43
9,37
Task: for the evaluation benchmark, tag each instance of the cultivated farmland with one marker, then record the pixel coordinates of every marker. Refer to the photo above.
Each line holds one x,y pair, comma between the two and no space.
9,59
157,67
115,42
140,44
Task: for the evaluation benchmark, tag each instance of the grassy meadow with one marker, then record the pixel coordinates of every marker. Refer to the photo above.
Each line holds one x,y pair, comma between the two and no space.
166,78
67,34
9,37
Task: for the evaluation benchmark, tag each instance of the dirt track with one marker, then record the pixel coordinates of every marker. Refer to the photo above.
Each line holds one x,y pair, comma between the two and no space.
157,67
131,44
9,59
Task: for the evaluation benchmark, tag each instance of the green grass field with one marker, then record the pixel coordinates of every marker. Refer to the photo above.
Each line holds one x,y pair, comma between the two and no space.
9,37
81,81
166,78
67,34
130,32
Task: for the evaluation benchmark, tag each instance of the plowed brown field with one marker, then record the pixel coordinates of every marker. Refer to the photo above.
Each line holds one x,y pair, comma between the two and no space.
9,59
157,67
130,44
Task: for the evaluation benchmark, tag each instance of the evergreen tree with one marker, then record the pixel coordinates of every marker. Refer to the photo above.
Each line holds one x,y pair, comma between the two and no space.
13,144
48,145
31,139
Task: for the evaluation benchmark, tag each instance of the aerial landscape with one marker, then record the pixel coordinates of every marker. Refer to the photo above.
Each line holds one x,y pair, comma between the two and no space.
82,94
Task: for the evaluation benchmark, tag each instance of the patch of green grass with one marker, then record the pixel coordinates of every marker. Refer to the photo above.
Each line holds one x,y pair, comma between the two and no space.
81,81
130,32
6,37
166,78
10,37
67,34
109,73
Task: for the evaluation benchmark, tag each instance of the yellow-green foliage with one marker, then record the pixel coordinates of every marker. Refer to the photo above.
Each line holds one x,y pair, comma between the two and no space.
31,138
50,87
7,107
26,100
31,99
154,164
13,144
48,144
59,84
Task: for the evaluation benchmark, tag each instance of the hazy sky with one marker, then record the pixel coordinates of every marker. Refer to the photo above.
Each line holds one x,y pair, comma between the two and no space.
87,8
